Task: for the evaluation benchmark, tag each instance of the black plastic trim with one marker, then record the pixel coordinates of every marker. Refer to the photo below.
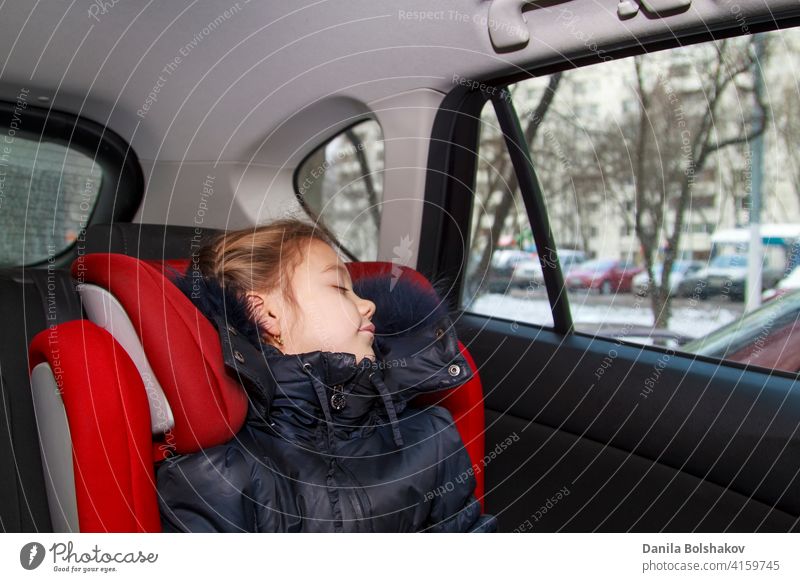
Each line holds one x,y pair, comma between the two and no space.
122,186
631,47
533,198
449,189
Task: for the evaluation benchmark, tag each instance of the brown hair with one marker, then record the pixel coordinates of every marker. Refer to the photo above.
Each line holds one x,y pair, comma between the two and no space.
260,258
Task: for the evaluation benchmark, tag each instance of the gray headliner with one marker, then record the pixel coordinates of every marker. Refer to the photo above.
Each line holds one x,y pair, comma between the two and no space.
274,79
269,60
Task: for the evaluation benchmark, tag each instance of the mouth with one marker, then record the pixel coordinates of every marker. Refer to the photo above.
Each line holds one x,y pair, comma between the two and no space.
368,328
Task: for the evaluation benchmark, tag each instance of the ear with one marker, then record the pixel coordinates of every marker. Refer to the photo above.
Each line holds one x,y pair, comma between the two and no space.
256,301
267,309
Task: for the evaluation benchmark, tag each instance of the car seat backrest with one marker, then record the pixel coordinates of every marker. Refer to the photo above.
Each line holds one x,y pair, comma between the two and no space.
41,494
97,482
94,423
146,241
31,300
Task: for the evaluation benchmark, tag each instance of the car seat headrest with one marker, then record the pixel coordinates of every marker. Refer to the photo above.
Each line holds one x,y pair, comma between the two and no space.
175,341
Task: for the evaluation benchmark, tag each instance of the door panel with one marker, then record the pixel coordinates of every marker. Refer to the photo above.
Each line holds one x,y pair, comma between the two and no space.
594,433
714,446
609,489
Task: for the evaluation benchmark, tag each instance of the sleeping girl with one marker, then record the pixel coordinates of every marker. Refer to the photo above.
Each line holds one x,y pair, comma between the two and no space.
331,442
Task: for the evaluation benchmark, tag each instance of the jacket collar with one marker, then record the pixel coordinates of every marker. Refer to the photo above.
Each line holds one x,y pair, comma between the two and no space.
416,352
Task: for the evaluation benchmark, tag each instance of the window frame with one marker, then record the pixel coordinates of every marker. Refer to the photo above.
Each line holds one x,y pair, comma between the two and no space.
533,199
122,185
301,199
450,186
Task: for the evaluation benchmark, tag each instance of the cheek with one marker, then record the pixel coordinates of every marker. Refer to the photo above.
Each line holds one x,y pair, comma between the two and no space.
317,317
326,318
339,317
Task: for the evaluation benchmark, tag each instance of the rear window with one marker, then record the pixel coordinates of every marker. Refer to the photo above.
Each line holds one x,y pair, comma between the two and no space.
59,174
47,194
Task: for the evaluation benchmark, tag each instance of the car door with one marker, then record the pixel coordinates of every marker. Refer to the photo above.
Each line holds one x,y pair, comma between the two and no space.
619,276
585,432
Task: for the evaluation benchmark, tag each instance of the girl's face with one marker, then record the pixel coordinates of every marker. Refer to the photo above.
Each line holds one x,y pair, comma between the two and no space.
329,315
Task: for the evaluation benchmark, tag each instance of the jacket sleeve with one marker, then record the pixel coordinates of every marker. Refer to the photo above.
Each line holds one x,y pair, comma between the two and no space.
218,490
454,507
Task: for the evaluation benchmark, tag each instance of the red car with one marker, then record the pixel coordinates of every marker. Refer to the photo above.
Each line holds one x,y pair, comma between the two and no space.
605,275
768,336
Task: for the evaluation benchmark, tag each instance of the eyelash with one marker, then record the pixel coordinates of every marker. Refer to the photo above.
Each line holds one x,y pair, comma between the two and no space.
345,289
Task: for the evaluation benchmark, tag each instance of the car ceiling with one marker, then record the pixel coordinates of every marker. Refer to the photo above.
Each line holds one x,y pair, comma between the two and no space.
240,90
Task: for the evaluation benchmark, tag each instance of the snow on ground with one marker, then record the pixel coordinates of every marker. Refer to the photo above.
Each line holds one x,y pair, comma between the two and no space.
689,319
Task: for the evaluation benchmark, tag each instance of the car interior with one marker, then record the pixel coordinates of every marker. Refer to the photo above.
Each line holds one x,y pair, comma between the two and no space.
132,133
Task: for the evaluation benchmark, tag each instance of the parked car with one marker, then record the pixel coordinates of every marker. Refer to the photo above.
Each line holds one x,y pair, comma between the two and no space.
680,270
768,336
528,274
503,263
603,275
789,283
725,275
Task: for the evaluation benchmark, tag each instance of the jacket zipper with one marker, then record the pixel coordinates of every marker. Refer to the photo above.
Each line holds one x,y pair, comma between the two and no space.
361,511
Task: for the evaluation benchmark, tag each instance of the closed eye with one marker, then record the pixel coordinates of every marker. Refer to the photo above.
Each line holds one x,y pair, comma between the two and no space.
345,289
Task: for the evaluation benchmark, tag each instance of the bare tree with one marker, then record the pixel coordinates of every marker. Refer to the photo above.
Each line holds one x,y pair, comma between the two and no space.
569,177
365,174
665,145
788,125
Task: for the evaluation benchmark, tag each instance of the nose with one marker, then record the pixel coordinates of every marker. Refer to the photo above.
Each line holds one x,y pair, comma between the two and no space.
366,307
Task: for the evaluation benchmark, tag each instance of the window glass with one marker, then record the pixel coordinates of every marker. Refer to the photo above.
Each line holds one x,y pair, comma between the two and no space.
341,184
47,194
667,159
504,275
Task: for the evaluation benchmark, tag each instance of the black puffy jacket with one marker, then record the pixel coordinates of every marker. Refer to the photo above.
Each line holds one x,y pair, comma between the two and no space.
329,444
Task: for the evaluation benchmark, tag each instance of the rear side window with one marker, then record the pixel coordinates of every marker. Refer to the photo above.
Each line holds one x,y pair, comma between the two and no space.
653,170
47,194
504,275
341,184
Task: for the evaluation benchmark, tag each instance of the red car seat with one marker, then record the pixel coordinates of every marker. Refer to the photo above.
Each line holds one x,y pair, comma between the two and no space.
145,379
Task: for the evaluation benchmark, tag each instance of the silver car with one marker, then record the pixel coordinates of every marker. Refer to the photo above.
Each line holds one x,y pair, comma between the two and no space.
680,270
529,273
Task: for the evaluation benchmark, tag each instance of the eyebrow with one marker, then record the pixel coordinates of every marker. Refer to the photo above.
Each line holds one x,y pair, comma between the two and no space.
337,267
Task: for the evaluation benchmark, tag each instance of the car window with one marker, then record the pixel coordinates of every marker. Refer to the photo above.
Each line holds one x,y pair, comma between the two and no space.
656,166
341,184
729,261
597,265
503,275
47,194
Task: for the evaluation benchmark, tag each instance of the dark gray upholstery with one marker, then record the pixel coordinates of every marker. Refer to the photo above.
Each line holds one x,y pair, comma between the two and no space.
146,241
30,301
